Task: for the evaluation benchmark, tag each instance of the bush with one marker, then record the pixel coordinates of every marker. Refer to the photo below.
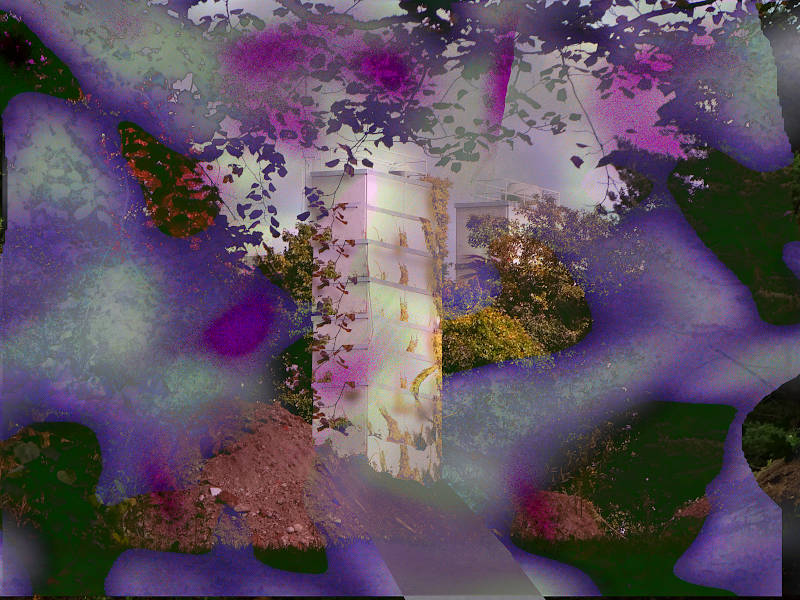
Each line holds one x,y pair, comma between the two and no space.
762,442
484,337
292,386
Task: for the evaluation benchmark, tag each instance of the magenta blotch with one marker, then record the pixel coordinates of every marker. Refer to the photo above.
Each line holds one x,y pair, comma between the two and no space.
241,329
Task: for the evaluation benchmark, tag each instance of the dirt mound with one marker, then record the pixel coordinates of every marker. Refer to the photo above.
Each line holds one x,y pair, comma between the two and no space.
781,481
557,517
697,509
260,475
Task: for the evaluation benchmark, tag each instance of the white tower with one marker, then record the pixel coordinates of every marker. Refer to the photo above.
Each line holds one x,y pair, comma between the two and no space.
393,337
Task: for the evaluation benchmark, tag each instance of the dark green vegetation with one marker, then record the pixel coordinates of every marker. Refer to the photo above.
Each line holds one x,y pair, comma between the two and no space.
746,217
638,472
636,566
294,559
27,65
290,373
50,471
772,429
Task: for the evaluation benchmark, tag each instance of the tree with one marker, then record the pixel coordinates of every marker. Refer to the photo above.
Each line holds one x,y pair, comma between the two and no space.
538,291
535,288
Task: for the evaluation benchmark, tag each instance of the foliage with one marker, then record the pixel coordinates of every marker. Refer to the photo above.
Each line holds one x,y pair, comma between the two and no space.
539,292
50,473
633,566
404,76
639,469
290,373
762,442
635,189
464,296
293,270
27,65
780,408
482,338
481,230
179,200
717,197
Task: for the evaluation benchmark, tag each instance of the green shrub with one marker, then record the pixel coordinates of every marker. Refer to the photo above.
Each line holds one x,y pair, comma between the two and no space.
764,441
484,337
292,386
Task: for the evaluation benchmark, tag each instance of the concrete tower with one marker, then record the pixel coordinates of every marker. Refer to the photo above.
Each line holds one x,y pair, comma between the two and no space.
389,278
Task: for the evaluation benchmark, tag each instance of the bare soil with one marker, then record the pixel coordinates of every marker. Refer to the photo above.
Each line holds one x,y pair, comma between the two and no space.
781,481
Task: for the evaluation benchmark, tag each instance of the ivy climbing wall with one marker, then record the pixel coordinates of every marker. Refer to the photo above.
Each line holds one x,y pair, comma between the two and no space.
383,391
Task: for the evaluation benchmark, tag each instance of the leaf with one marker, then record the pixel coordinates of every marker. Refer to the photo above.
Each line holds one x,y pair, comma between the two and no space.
367,163
274,232
303,216
256,213
577,161
332,163
561,95
574,117
455,167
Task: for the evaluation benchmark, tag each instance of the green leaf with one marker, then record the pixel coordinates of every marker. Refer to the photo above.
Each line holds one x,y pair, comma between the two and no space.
461,94
455,167
525,67
574,117
561,96
449,119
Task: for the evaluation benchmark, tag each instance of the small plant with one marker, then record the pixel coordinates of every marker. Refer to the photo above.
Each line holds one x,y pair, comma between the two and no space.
340,424
378,234
403,311
403,275
412,344
381,273
403,382
403,239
